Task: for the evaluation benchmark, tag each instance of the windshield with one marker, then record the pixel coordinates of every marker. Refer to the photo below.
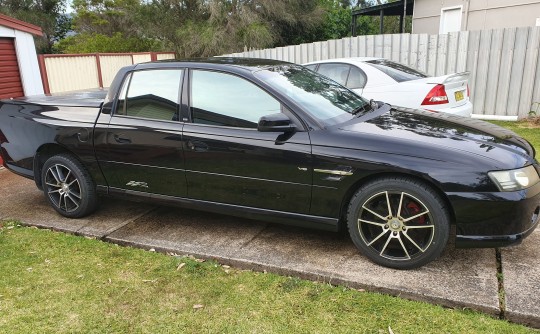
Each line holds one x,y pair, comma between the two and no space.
396,71
322,98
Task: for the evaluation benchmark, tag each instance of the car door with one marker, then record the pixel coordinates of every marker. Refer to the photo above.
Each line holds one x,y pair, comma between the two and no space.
229,161
139,144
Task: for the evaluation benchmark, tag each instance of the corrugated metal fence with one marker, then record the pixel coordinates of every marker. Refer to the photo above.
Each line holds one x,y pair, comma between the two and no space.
61,73
504,66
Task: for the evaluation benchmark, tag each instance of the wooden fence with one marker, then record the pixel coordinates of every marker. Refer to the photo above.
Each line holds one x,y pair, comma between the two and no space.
504,65
61,73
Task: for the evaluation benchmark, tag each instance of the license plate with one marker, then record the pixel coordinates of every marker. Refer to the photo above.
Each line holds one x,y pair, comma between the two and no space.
459,95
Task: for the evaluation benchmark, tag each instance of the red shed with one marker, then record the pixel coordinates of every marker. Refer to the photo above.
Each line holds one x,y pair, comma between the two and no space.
19,69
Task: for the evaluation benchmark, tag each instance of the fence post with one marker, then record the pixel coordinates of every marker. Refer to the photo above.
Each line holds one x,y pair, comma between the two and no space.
100,76
43,73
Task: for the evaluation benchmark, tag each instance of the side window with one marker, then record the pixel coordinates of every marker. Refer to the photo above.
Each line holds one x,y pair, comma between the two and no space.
227,100
311,67
151,94
357,78
337,72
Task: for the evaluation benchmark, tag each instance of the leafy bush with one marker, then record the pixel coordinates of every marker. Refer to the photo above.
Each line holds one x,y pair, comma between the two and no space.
93,42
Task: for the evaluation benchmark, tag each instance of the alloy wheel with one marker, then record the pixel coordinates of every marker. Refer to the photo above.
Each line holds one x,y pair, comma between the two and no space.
396,225
63,188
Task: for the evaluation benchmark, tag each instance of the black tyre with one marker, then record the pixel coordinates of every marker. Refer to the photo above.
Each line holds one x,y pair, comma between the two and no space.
68,187
398,222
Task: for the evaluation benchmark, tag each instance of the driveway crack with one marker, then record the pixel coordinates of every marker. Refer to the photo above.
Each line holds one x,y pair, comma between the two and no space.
121,225
500,280
245,244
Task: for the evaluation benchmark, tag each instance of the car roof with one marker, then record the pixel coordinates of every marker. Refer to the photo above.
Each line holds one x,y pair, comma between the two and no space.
350,60
250,64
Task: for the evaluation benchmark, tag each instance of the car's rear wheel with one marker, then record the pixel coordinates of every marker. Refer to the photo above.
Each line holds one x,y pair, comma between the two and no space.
398,222
68,187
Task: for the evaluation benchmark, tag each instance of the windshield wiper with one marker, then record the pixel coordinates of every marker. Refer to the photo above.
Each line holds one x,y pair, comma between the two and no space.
365,108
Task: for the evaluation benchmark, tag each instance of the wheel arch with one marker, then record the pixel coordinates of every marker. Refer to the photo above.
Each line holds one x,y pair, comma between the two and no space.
43,153
361,182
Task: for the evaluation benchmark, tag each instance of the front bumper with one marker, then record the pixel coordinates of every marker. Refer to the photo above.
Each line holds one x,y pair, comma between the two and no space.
495,219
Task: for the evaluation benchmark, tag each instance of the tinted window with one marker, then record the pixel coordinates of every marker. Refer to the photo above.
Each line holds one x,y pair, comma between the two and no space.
337,72
396,71
151,94
319,96
357,78
227,100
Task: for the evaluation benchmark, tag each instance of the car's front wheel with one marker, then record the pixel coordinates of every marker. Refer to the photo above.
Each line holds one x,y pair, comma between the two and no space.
398,222
68,187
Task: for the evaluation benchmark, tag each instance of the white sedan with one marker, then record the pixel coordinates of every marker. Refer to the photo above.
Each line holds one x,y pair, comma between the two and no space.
384,80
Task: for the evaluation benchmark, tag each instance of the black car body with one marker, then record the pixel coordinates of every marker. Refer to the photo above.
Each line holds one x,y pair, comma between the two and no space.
162,143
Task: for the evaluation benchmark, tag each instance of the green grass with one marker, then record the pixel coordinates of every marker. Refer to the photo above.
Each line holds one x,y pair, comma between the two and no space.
527,130
57,283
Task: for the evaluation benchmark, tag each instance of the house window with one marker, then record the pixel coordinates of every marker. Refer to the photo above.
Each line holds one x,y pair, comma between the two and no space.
450,19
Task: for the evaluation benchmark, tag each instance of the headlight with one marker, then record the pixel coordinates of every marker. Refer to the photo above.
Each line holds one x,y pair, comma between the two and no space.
517,179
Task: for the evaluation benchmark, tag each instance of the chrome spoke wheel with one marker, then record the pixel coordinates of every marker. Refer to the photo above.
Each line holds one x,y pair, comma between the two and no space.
63,188
396,225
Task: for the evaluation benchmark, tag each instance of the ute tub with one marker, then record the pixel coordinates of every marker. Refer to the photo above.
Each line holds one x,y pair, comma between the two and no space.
83,98
63,121
495,219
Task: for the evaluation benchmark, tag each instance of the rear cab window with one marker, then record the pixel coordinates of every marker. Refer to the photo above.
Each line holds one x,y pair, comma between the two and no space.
151,94
398,72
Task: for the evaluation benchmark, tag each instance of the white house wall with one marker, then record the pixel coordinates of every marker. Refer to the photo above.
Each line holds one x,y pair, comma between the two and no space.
27,60
28,64
476,14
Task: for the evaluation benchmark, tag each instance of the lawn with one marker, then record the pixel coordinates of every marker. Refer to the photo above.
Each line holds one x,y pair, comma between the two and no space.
51,282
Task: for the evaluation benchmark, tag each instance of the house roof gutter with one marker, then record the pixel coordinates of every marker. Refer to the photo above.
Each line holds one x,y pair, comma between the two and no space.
12,23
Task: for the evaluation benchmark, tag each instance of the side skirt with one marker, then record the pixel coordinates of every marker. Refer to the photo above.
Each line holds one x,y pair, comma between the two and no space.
273,216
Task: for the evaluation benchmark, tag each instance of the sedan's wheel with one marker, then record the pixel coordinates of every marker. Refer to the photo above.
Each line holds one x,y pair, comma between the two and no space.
68,186
398,222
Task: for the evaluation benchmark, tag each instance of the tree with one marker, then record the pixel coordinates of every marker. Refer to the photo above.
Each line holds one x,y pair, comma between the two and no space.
47,14
201,28
106,17
94,42
213,27
107,26
337,20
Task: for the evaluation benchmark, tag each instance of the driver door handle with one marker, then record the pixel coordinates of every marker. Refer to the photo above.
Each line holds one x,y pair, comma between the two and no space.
197,146
122,140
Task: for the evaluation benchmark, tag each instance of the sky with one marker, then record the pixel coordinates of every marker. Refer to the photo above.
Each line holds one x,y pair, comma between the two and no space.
69,8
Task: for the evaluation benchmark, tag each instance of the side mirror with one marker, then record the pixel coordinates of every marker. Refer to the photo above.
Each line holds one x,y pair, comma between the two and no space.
276,123
106,108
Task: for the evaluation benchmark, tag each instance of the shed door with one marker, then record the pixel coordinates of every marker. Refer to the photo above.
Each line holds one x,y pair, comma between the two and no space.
11,84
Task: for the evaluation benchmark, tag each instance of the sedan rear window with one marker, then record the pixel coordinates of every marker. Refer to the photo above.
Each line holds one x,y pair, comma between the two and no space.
396,71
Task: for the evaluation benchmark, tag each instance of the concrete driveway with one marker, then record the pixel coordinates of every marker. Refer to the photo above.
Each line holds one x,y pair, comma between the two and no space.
464,278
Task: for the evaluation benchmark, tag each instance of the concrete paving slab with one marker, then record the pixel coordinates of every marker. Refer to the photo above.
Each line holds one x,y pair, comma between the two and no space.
21,200
189,231
461,278
521,272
